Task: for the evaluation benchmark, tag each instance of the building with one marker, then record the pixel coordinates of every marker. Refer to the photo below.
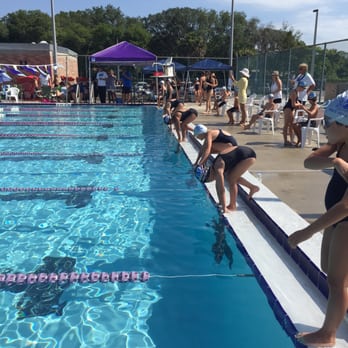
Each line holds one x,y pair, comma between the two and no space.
39,54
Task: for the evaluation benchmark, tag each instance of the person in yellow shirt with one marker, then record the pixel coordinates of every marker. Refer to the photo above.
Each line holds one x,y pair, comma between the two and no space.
242,85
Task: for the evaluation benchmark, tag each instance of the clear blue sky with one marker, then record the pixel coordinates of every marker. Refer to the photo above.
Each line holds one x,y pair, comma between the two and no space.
298,14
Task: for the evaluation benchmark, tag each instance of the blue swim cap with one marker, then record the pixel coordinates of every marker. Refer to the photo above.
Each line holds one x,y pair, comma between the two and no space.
337,109
202,173
312,95
167,119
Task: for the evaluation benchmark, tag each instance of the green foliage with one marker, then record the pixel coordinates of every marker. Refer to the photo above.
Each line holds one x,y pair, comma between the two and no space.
28,26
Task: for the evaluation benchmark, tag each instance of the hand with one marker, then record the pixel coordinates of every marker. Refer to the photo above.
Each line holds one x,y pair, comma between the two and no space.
299,237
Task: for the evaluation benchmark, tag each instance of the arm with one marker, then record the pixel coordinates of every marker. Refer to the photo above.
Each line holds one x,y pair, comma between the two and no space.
206,149
320,159
336,213
293,98
312,113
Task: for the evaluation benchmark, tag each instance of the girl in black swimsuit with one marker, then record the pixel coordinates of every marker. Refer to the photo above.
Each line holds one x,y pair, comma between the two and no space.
334,248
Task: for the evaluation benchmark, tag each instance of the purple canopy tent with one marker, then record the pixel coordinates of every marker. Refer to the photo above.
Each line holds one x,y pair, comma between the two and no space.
123,53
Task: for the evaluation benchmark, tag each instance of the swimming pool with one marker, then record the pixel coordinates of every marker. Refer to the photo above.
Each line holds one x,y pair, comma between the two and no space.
143,211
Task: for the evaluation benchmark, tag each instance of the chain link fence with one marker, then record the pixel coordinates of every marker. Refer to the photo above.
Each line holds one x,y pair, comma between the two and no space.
328,64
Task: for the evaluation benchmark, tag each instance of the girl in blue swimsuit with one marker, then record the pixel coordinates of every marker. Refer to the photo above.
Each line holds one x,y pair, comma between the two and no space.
334,248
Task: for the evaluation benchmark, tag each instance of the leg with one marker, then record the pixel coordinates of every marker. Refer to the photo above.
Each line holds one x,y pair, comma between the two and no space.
176,120
252,188
234,176
252,121
185,125
297,130
219,167
287,122
230,117
335,247
244,113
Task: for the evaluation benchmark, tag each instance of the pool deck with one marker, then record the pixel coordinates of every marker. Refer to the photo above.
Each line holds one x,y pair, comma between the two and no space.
281,168
286,202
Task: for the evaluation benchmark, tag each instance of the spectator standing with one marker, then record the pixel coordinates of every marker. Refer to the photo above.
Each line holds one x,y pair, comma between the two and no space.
126,78
276,87
111,86
291,105
101,83
334,244
242,85
307,78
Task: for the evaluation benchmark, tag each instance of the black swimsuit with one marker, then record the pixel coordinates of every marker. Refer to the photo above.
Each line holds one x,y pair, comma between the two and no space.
236,156
335,190
224,138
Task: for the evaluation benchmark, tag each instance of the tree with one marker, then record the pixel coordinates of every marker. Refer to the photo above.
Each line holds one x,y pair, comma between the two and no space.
28,26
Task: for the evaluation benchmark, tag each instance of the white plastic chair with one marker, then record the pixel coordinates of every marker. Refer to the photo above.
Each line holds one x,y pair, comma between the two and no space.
11,93
250,105
308,131
267,121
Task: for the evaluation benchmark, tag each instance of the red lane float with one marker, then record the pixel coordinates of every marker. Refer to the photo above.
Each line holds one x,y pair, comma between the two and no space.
73,277
52,123
57,189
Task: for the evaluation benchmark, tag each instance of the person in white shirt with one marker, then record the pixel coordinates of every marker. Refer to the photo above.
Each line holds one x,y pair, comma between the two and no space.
276,87
101,78
307,78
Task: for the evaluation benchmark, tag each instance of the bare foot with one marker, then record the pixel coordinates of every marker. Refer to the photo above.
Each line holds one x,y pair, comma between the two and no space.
246,127
316,339
231,207
253,190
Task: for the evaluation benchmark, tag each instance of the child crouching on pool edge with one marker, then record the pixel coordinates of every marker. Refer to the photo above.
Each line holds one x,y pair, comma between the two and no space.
231,162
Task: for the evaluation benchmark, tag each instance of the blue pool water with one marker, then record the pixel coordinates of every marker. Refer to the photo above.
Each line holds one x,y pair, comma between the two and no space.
152,216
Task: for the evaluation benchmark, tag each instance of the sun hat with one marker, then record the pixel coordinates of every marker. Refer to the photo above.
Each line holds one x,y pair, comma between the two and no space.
312,95
337,109
200,129
245,72
302,84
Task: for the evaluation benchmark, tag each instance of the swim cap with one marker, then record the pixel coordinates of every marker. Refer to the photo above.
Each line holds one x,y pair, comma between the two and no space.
167,119
270,96
312,95
337,109
200,129
202,174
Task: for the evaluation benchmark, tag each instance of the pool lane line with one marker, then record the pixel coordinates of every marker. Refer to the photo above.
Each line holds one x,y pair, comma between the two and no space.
30,154
55,123
59,189
75,136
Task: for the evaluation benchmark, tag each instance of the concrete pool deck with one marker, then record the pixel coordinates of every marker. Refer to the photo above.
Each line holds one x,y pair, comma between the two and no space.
281,168
289,198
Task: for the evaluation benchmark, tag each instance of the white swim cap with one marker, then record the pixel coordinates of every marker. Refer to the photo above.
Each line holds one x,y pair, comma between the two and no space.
200,129
337,109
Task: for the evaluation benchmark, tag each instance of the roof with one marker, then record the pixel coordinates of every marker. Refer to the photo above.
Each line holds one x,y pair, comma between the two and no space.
123,53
